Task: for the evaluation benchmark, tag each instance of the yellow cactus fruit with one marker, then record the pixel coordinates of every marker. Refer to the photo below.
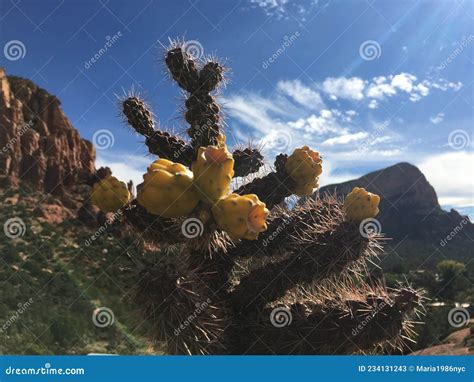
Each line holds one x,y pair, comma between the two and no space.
241,216
361,204
168,189
213,171
110,194
221,139
304,166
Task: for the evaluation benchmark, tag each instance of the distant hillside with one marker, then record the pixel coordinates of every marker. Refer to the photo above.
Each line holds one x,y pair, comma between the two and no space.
53,278
411,215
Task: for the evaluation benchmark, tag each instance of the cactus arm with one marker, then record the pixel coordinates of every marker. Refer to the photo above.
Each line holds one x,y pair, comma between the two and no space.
169,147
311,243
247,161
183,69
352,325
152,228
202,110
273,188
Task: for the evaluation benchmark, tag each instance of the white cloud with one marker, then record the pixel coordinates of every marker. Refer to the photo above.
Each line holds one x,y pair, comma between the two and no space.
403,81
380,90
437,119
255,111
373,104
451,175
347,88
415,97
332,175
345,139
301,94
381,87
444,85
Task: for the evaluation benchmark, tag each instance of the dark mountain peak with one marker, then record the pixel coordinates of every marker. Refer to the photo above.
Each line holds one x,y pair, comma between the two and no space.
409,205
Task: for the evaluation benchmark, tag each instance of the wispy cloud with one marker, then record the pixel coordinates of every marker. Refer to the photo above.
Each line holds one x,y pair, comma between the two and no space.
301,94
341,87
382,87
297,113
437,119
345,139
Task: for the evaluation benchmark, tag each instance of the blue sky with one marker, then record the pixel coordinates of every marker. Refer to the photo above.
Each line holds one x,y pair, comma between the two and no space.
367,83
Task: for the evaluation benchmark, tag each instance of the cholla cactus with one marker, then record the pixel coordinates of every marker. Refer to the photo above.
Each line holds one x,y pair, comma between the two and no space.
242,274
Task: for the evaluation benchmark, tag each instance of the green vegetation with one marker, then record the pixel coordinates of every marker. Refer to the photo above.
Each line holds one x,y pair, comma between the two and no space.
52,282
447,283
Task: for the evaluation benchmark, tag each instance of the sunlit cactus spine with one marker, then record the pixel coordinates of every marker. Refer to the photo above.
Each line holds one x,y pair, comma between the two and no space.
240,274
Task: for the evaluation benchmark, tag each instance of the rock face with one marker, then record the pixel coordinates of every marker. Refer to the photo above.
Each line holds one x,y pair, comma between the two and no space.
38,144
460,342
409,206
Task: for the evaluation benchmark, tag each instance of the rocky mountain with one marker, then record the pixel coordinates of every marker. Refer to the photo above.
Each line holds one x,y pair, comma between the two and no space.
38,143
409,206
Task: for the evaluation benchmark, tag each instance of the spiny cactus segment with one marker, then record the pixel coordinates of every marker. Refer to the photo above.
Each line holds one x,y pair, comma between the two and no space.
235,262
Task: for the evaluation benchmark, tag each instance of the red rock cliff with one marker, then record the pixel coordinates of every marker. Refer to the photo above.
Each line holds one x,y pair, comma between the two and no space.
38,144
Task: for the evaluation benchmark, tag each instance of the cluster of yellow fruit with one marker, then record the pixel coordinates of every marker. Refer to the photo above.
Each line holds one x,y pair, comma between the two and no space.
304,166
172,190
361,204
